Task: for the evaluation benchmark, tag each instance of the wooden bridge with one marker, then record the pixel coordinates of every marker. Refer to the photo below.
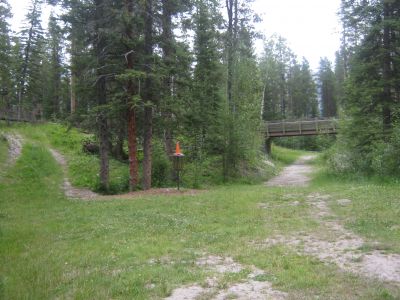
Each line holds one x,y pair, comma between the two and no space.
284,128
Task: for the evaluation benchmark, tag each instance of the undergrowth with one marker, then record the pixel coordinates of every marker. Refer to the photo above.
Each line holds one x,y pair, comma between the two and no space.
83,168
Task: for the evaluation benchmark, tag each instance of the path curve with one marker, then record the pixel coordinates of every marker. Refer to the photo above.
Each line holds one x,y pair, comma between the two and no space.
69,190
86,194
297,174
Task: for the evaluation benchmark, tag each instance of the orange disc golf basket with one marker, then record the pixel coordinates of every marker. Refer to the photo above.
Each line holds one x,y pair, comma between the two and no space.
178,163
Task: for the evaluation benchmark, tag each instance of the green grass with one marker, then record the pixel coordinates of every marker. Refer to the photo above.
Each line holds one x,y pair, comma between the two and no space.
286,156
3,153
83,168
55,248
52,247
374,210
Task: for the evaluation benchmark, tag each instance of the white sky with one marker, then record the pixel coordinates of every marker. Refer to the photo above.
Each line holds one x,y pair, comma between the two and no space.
311,27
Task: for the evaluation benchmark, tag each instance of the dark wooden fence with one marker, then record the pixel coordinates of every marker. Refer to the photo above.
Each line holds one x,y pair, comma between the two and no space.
14,114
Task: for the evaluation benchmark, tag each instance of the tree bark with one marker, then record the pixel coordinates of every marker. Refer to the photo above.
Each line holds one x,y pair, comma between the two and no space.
131,92
230,10
148,95
168,88
73,77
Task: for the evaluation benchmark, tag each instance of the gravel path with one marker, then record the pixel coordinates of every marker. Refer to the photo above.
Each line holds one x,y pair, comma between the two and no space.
337,245
69,190
248,289
296,174
15,142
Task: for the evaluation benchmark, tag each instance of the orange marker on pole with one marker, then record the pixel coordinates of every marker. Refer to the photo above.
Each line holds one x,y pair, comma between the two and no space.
178,150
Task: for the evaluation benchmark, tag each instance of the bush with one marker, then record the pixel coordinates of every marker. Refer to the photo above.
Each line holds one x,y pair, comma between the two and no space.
161,166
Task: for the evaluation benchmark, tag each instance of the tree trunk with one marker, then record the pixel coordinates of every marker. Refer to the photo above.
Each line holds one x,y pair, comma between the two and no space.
73,77
103,135
168,88
147,147
230,8
118,148
131,92
132,146
148,95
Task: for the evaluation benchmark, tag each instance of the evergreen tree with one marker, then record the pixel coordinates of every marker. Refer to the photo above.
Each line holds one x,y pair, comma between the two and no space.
371,98
302,92
5,46
33,47
326,79
53,100
208,76
100,46
148,93
289,87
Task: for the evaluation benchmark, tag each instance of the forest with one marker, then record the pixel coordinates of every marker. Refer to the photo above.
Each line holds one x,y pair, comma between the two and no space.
142,75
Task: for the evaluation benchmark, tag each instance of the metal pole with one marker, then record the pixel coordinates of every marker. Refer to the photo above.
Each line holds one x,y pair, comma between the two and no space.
179,179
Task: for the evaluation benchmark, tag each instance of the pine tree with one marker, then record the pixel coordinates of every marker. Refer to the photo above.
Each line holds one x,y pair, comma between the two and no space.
5,45
148,93
100,46
53,100
208,76
326,79
371,98
33,42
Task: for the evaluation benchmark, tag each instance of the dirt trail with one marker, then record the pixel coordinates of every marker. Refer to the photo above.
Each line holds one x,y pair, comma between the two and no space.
15,142
69,190
337,245
86,194
296,174
248,289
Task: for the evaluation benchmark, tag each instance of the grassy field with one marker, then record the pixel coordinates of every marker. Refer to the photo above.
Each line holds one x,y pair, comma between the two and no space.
3,154
142,248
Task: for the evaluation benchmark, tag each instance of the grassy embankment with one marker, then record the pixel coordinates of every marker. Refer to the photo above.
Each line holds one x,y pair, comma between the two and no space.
52,247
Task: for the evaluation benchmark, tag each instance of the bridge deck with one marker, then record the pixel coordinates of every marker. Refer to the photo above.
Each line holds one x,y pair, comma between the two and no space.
299,128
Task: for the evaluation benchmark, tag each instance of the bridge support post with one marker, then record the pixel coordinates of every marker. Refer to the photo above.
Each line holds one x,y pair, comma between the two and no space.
268,143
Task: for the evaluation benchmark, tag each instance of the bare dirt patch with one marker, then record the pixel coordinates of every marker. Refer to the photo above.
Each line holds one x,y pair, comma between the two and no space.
340,246
252,290
86,194
297,174
155,192
15,142
69,190
249,289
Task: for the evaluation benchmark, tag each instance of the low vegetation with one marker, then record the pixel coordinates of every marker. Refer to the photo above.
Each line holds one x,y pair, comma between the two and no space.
83,168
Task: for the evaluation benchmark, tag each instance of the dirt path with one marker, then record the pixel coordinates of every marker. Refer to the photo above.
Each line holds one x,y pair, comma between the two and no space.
335,244
69,190
15,142
86,194
248,289
296,174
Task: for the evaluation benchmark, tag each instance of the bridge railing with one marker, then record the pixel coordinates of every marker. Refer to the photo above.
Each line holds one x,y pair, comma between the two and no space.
302,127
